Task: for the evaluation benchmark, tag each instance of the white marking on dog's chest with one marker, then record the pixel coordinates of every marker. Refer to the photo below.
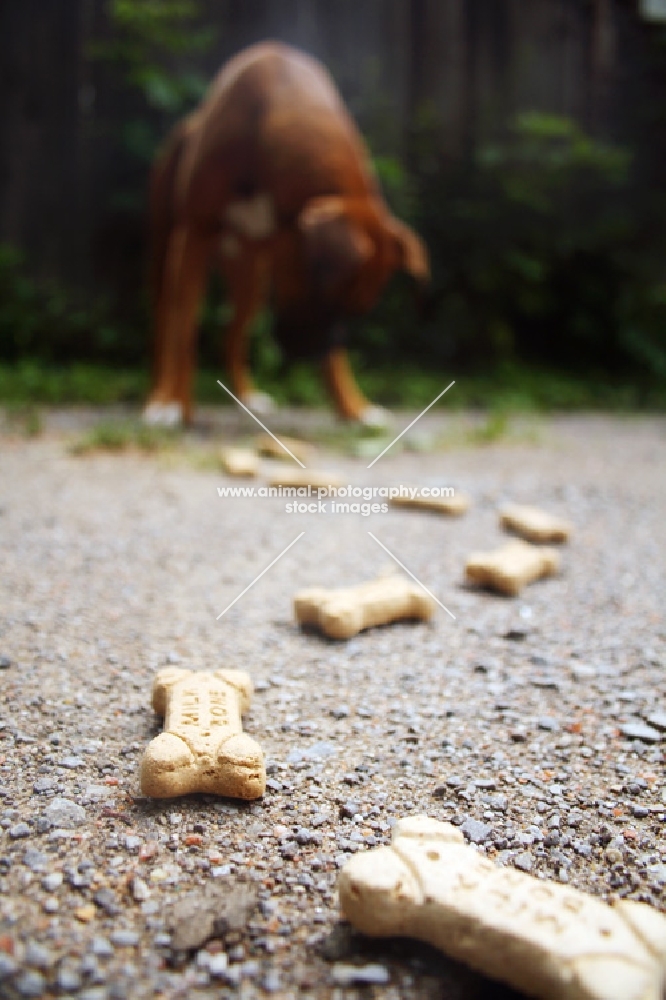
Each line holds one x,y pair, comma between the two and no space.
254,217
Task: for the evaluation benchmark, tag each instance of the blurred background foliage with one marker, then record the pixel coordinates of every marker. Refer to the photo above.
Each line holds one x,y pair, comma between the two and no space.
548,246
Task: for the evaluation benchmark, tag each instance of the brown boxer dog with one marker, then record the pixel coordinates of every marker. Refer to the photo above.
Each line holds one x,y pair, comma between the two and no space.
270,180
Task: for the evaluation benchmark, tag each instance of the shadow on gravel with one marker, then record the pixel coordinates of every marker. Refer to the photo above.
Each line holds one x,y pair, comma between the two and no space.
405,957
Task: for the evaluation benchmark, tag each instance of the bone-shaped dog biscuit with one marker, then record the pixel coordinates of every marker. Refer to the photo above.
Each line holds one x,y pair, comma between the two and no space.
453,506
267,446
239,462
203,747
510,567
340,614
534,525
547,939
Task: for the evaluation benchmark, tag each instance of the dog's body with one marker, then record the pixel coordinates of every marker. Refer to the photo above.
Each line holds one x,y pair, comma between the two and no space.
270,179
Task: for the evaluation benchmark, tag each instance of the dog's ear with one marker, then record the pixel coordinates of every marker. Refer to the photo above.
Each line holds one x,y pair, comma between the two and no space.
411,251
335,244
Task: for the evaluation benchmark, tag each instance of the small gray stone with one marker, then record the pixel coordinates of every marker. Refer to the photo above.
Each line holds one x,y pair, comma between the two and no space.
140,890
52,881
5,663
217,964
658,720
68,979
476,831
271,982
524,861
72,762
34,860
43,785
372,974
64,814
31,984
38,956
7,966
640,731
107,900
658,873
19,830
101,947
124,938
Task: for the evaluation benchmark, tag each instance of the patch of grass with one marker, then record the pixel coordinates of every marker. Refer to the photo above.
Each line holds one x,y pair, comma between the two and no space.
510,388
121,435
26,418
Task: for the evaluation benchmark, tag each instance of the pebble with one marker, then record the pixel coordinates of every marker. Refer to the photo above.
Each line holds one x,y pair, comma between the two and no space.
657,720
217,964
5,663
524,862
35,860
52,881
38,956
140,890
68,979
640,731
124,938
19,830
102,948
72,762
63,813
366,975
475,831
30,984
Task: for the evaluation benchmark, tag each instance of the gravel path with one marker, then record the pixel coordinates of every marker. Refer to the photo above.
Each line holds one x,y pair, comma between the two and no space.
514,721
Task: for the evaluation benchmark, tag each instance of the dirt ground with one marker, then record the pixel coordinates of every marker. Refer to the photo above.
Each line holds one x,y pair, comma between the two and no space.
514,720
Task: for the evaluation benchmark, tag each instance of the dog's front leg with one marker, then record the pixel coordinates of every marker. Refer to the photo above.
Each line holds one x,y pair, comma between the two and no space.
349,401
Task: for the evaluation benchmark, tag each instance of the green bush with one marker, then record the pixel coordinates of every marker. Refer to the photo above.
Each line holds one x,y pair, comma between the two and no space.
543,250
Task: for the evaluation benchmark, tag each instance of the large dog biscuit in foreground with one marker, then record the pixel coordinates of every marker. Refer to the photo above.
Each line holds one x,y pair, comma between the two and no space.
340,614
452,506
510,567
203,747
547,939
534,525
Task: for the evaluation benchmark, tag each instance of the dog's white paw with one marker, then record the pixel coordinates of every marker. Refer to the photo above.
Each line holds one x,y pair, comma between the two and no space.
163,414
259,402
376,418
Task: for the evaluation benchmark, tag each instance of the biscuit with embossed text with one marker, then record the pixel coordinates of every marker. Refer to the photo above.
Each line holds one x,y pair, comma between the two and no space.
547,939
203,747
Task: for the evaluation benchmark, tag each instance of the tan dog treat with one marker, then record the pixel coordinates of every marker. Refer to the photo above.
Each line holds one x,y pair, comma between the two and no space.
534,525
453,506
302,478
547,939
239,462
203,747
268,447
510,567
340,614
